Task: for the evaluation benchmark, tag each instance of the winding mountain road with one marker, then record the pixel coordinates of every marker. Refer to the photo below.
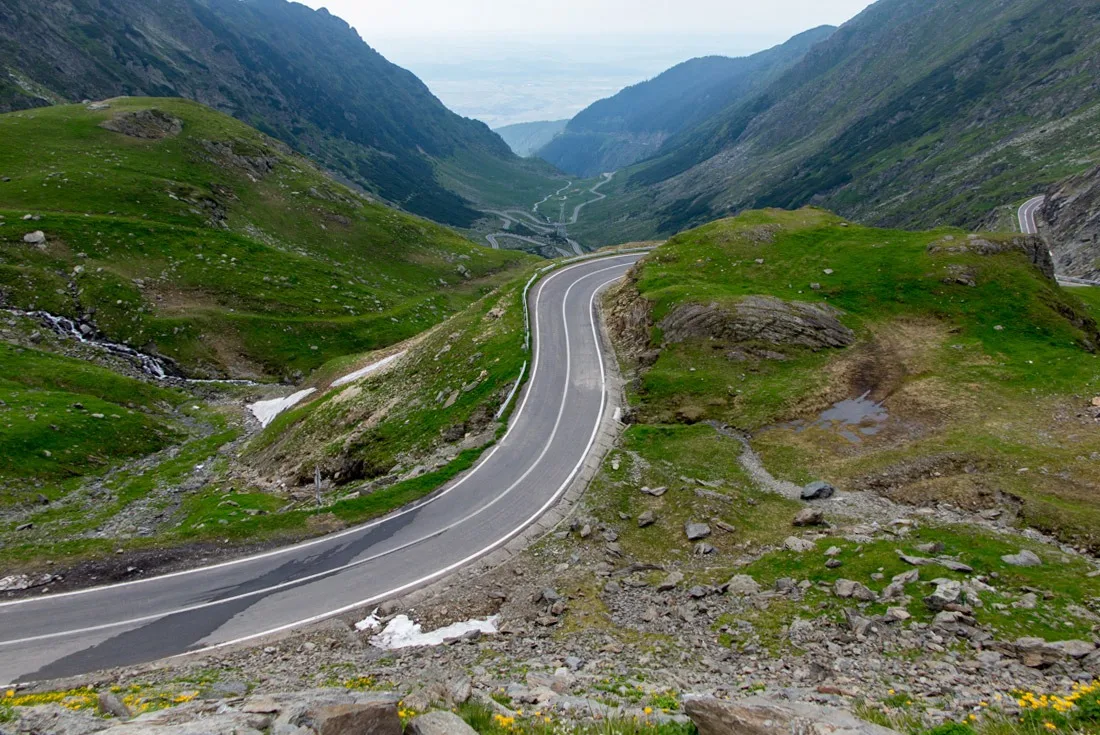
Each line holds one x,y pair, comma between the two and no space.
549,438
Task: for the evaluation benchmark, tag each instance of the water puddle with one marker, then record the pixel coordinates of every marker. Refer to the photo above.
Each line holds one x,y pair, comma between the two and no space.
854,419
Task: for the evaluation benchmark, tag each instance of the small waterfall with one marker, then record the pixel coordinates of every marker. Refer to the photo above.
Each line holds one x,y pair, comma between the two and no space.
154,367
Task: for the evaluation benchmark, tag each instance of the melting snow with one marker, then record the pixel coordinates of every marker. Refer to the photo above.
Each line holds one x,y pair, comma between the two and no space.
404,633
266,411
365,371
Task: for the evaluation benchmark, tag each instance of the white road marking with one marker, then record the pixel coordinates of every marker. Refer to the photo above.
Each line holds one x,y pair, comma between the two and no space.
468,517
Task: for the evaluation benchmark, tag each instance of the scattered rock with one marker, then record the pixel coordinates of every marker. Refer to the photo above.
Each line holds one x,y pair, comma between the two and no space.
947,592
670,582
742,584
818,491
809,517
848,589
38,237
955,566
896,615
110,705
647,519
696,531
793,543
1023,559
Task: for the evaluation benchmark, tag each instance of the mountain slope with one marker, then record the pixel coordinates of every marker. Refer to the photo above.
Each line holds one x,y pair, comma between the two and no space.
912,114
525,139
179,231
302,76
620,130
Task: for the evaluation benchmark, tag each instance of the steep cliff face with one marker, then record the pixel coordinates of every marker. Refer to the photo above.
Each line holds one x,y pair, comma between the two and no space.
1072,213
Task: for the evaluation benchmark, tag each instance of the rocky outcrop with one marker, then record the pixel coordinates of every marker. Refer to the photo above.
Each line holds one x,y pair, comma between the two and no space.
1032,246
763,716
242,156
1072,214
760,319
145,124
628,316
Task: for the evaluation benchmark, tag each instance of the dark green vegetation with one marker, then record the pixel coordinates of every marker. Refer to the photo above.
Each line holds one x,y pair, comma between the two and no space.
985,365
913,114
213,245
302,76
621,130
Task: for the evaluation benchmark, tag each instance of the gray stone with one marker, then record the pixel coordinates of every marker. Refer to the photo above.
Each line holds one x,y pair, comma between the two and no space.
647,519
35,238
809,517
1023,559
696,531
439,723
897,615
53,719
704,549
947,592
1073,649
111,705
818,491
742,584
848,589
955,566
670,582
372,718
764,716
793,543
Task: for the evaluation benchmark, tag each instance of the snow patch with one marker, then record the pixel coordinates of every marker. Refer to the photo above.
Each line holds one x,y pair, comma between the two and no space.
370,623
363,372
404,633
266,411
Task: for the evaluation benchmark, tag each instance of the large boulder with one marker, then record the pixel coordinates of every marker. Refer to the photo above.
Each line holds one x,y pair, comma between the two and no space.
763,716
1023,559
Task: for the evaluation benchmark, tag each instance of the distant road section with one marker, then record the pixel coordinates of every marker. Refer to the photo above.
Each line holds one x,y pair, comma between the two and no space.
1028,223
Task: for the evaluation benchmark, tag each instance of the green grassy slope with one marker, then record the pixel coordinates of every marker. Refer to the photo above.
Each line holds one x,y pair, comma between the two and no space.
984,365
216,247
62,418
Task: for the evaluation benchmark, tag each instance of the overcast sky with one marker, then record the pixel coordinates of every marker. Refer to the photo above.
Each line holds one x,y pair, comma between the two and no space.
774,19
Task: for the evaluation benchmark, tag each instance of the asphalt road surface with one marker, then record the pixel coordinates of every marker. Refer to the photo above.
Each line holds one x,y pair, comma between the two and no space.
1028,225
550,434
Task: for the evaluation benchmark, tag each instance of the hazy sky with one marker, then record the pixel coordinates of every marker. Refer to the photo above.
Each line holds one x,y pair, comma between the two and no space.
767,18
511,61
